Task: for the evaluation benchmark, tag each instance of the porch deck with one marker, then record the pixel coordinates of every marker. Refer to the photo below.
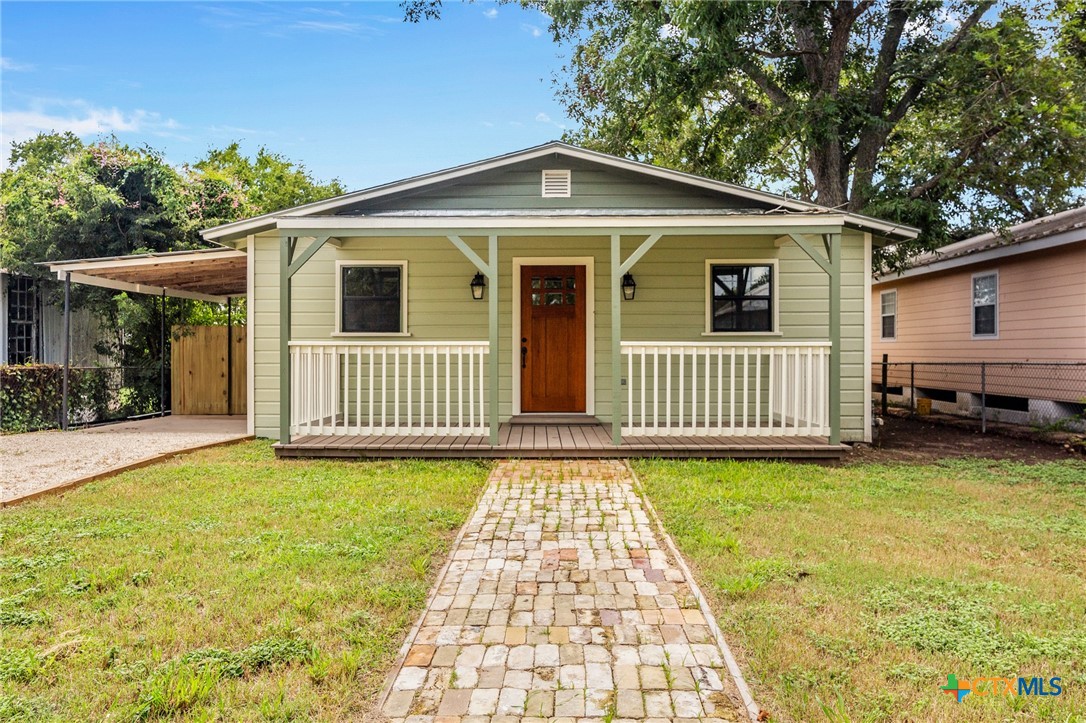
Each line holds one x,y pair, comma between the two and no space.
564,441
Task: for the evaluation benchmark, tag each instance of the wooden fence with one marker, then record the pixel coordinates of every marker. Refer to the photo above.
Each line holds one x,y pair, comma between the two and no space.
200,367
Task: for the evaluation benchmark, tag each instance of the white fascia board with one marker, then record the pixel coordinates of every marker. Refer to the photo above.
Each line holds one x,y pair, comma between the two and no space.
992,254
138,288
602,223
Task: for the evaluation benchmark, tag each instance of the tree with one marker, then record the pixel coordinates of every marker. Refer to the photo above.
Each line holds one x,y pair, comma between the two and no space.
961,114
63,199
263,184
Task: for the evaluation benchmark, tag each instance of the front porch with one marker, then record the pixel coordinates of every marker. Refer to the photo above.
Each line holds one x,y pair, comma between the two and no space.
679,399
559,441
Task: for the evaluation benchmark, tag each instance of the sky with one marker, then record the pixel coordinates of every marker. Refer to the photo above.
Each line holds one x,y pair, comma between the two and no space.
347,89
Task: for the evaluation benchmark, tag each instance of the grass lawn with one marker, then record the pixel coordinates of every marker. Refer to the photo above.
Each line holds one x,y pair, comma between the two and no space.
226,585
850,593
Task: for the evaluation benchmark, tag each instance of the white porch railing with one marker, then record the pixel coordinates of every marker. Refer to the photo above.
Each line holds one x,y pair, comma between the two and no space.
709,388
388,388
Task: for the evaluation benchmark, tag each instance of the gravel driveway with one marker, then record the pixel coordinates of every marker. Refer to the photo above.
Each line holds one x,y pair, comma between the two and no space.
39,460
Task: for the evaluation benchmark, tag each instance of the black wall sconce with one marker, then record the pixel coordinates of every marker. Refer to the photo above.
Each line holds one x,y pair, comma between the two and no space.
629,287
478,284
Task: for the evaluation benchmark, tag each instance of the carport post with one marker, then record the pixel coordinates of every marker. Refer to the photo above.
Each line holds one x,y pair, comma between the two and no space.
162,357
229,358
67,348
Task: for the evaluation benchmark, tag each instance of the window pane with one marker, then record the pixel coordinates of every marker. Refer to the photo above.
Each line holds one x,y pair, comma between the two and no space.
371,299
888,327
742,298
984,290
984,320
889,303
552,298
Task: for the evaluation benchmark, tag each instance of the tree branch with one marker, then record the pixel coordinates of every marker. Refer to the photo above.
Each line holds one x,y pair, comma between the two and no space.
921,82
763,81
958,161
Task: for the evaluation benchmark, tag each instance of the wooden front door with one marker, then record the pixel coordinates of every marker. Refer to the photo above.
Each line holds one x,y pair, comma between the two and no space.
552,344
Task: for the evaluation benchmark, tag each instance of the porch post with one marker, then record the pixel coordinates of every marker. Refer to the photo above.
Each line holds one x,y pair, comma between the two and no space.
286,246
616,339
834,248
492,313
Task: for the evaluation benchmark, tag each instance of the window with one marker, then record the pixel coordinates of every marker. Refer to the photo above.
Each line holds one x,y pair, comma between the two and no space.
23,323
741,297
985,304
889,314
372,298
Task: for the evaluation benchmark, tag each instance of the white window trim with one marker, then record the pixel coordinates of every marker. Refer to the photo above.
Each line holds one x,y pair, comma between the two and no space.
972,305
884,315
338,329
709,264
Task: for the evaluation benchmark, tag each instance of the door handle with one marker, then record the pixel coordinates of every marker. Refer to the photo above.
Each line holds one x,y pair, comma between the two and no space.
524,357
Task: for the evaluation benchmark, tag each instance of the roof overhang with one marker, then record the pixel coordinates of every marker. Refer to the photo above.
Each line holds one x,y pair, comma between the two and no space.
205,274
232,232
536,225
987,255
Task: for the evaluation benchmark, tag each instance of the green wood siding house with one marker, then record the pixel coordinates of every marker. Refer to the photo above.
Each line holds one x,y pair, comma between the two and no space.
563,287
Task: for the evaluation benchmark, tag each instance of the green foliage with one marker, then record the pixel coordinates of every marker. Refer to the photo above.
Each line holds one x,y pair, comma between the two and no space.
31,395
953,117
63,199
269,182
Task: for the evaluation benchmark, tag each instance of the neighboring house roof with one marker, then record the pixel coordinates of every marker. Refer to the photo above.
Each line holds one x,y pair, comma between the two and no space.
760,202
1059,229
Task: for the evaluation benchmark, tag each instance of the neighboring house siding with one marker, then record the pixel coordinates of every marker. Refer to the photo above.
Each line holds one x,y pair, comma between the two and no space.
595,186
1041,311
670,303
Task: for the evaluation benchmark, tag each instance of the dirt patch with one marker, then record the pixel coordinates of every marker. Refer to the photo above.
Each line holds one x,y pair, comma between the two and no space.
922,439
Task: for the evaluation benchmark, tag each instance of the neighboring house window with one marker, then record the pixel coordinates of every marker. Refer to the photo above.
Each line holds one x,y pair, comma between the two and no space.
22,314
889,314
985,304
741,297
372,298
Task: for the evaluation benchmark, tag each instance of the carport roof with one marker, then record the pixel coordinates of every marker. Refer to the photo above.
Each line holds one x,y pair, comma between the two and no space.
208,274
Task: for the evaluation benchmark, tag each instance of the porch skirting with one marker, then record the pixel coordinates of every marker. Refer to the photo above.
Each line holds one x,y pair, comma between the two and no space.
560,441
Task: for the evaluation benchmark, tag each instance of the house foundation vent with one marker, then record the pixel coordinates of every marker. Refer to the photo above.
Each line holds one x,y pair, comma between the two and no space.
557,183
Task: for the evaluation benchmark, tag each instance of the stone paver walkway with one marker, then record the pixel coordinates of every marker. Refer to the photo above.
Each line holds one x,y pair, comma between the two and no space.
559,603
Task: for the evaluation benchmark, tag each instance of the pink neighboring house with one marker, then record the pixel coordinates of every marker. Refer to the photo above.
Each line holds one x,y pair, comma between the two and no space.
1019,295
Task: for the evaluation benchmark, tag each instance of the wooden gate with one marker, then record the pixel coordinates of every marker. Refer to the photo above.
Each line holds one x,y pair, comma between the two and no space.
200,366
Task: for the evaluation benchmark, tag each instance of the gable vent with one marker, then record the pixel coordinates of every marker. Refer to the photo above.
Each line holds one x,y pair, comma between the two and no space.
557,184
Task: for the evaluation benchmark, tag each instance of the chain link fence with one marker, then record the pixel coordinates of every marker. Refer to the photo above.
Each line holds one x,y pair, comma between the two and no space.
1040,394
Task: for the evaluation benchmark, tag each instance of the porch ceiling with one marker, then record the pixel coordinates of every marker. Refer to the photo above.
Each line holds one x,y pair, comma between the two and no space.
207,274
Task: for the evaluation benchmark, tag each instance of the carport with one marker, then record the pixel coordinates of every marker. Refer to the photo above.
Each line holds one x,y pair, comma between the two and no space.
216,275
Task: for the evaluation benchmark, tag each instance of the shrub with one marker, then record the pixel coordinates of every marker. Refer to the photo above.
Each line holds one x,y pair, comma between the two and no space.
31,396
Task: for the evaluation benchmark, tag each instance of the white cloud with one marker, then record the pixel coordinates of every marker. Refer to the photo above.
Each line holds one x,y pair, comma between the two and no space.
81,118
534,30
544,118
490,13
13,66
327,27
